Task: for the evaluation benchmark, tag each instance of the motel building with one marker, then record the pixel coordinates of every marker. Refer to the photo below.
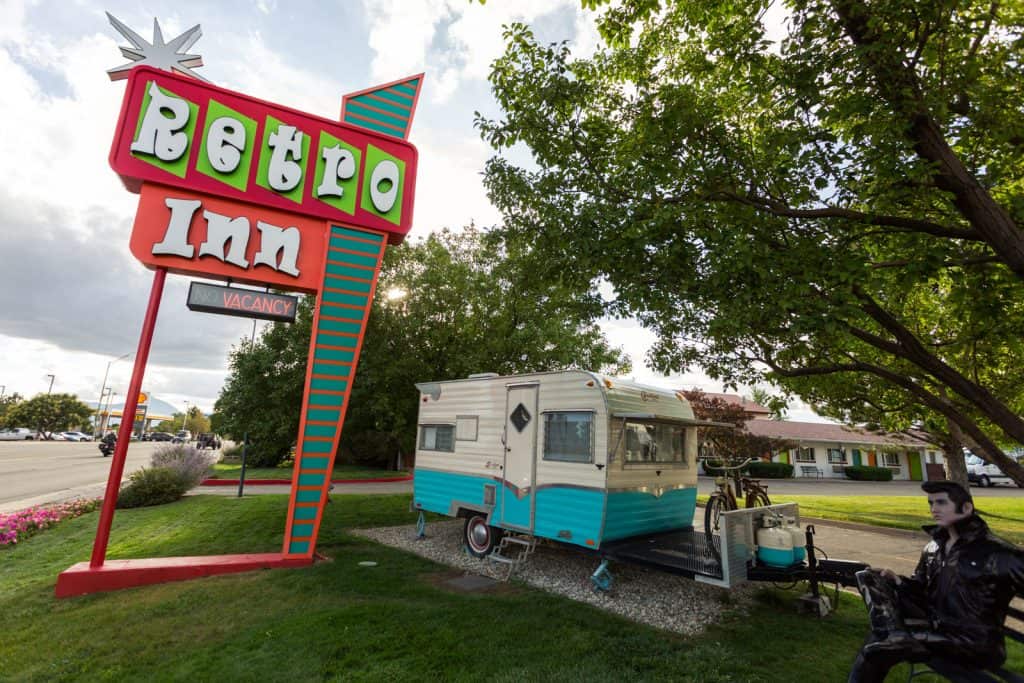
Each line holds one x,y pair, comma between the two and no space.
824,451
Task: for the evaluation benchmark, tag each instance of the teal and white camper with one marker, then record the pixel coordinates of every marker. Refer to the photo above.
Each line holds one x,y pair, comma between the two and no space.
572,456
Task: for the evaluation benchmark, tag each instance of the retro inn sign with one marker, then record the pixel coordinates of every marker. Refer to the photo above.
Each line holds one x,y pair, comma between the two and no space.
253,182
237,189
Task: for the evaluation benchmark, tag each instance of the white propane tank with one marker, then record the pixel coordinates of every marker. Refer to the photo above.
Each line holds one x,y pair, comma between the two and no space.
799,539
774,544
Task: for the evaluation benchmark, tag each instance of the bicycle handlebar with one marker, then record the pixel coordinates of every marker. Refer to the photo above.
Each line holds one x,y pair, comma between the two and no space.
736,467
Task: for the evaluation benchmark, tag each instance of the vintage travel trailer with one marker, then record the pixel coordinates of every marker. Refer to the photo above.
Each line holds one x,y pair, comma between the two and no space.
572,456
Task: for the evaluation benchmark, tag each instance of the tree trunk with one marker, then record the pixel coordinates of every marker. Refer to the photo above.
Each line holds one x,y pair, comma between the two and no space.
953,452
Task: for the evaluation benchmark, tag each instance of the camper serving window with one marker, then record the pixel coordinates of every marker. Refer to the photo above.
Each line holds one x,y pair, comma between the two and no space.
568,436
437,438
654,442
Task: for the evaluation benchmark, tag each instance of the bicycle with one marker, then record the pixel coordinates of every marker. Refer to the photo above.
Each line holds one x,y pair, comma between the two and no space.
724,500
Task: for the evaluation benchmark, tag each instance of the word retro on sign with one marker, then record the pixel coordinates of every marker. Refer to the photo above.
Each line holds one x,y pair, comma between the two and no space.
177,131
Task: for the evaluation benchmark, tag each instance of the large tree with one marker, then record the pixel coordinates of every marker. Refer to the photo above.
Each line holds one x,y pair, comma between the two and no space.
50,413
841,207
448,306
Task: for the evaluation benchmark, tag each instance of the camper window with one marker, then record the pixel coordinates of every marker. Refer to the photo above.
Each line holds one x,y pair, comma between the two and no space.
569,436
653,442
437,438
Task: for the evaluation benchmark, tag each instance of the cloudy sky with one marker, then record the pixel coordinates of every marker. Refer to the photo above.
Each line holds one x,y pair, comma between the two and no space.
72,297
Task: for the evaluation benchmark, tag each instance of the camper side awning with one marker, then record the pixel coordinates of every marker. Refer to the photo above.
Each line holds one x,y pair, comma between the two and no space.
685,421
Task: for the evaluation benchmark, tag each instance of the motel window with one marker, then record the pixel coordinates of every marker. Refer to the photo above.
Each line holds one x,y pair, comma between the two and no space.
805,455
891,459
569,436
437,438
466,427
836,456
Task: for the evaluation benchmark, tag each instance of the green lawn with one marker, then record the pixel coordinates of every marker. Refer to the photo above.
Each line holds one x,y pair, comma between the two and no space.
337,620
231,471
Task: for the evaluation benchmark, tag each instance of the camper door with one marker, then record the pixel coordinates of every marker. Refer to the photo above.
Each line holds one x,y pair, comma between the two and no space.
520,455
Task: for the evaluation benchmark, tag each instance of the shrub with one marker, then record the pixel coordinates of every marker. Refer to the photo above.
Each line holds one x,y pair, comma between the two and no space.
190,464
770,470
866,473
153,486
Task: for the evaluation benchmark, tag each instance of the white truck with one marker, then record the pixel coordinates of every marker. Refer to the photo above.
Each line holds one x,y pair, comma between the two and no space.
983,473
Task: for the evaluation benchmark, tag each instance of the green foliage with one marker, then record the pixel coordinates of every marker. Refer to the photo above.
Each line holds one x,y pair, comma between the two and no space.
843,207
151,486
770,470
867,473
49,413
468,307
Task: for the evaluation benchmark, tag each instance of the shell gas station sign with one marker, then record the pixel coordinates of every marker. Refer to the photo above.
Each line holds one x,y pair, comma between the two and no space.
236,189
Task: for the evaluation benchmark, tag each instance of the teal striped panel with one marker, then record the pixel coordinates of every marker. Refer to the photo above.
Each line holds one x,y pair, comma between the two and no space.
333,354
298,547
332,370
352,245
348,271
326,399
409,87
400,100
352,259
307,497
327,384
323,415
311,479
394,119
372,126
305,513
316,446
350,299
348,285
335,340
340,326
338,231
339,312
301,530
318,430
401,108
314,463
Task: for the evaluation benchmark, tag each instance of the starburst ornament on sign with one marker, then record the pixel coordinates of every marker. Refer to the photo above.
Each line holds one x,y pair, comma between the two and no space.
169,56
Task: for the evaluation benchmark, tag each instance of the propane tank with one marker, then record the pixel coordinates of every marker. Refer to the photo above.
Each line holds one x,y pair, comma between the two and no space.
774,543
797,535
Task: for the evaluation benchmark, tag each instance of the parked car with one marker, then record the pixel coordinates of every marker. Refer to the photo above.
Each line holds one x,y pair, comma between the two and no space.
17,434
983,473
161,436
76,436
208,440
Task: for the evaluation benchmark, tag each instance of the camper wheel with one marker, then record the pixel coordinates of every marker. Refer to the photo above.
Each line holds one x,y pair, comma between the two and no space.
481,538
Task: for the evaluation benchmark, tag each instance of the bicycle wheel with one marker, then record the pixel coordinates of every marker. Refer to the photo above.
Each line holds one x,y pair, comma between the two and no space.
716,505
758,498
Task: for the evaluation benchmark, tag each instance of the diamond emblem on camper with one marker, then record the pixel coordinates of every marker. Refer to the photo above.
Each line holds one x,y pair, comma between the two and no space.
520,417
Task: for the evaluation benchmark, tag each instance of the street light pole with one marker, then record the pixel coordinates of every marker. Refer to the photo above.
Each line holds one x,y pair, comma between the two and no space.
103,387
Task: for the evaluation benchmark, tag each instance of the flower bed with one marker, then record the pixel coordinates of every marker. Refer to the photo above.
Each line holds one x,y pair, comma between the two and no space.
17,526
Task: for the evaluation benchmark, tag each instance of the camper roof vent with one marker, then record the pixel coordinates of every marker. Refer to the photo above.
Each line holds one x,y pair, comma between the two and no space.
484,375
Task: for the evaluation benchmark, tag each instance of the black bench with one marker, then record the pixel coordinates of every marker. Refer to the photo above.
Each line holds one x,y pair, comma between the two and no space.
811,471
960,674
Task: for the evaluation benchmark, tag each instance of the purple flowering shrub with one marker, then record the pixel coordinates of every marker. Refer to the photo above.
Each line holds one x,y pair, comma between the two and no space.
190,464
17,526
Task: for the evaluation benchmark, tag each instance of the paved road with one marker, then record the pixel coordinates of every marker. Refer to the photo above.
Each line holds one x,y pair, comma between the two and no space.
37,472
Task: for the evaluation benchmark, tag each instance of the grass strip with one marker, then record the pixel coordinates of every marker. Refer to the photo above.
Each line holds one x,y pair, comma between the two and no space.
337,620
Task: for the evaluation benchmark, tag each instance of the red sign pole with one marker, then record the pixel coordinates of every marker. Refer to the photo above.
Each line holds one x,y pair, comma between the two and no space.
124,434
